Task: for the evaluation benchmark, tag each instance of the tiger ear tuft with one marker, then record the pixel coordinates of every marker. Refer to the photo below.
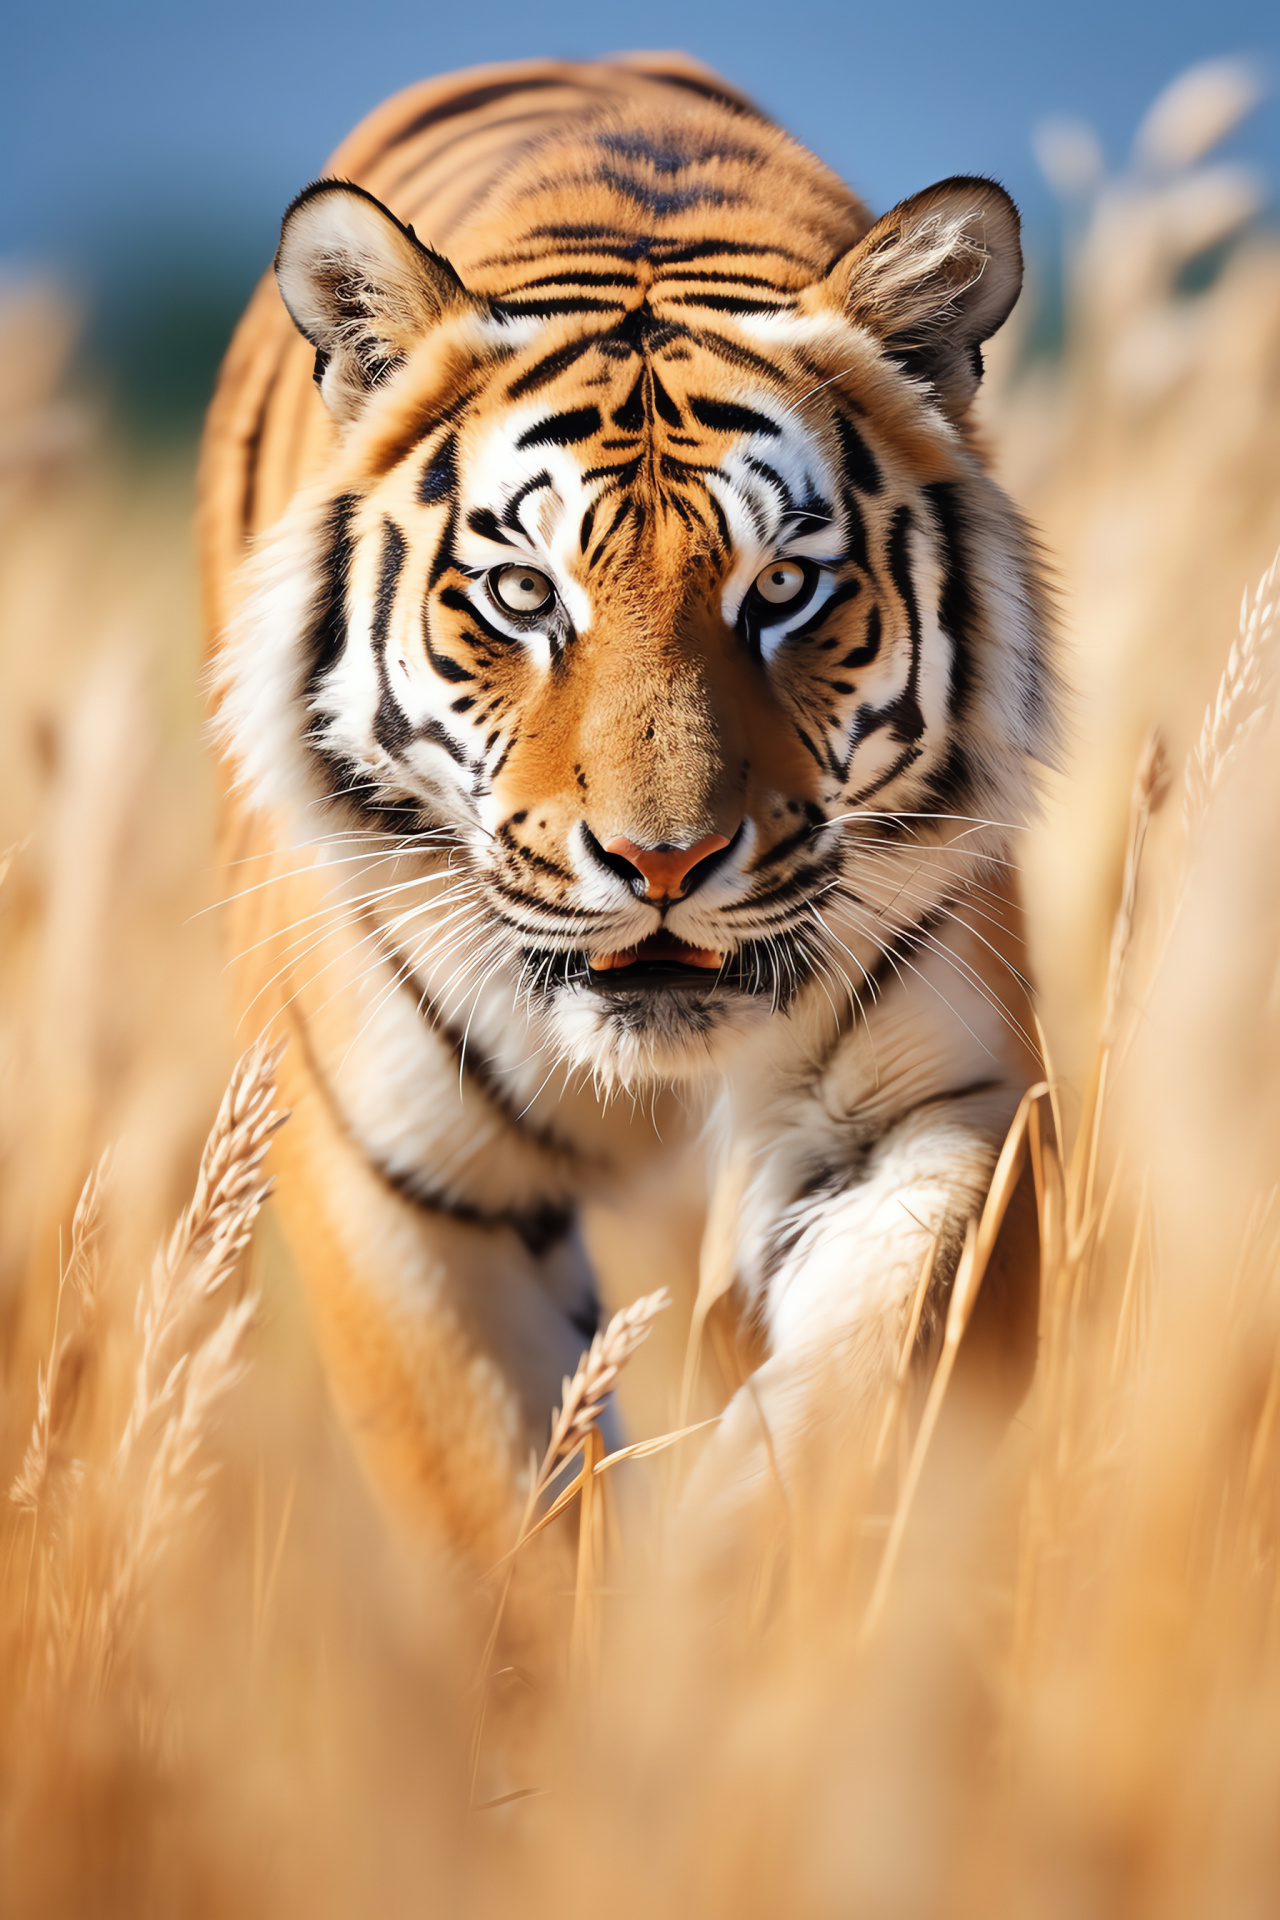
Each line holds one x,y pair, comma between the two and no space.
360,287
933,279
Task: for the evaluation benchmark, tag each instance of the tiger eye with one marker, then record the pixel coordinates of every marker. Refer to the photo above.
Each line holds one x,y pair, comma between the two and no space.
780,582
521,589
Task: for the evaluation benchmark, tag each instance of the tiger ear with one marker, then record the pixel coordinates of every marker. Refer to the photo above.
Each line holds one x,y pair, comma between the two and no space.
935,278
360,287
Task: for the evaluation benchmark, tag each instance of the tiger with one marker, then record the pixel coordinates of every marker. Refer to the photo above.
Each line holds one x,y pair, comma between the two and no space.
629,683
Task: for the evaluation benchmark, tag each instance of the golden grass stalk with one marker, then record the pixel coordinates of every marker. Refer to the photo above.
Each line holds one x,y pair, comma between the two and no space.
1243,697
205,1246
583,1397
184,1367
59,1384
574,1429
154,1479
173,1488
979,1244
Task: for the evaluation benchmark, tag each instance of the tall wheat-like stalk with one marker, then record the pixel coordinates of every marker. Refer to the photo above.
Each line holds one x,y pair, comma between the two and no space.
1242,700
202,1252
190,1356
59,1384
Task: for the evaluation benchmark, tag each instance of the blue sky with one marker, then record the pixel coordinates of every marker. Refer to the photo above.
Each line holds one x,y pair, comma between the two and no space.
147,149
140,111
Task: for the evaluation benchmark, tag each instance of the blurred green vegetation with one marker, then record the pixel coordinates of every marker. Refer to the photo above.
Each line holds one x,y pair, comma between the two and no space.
161,308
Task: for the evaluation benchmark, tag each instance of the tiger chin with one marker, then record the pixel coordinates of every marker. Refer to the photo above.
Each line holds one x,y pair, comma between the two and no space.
628,679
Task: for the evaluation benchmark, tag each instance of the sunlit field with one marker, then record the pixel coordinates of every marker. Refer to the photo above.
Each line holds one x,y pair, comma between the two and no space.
976,1668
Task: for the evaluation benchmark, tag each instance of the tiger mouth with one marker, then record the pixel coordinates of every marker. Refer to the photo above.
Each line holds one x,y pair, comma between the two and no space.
661,960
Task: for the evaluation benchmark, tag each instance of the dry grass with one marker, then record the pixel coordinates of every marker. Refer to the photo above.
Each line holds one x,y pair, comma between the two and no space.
1043,1678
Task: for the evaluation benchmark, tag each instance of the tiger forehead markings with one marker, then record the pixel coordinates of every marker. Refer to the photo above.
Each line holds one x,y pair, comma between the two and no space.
649,663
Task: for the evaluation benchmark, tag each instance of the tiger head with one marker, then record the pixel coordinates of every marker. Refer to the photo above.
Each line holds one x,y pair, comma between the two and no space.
688,622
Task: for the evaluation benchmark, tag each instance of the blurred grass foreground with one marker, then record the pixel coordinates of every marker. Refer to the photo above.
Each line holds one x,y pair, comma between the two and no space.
226,1688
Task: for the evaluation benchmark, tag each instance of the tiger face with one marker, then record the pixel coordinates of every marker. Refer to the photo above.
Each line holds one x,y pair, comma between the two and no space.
706,653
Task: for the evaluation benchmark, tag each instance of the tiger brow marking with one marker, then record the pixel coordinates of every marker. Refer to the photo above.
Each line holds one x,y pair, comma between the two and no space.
484,521
562,429
732,303
549,368
734,354
511,512
550,309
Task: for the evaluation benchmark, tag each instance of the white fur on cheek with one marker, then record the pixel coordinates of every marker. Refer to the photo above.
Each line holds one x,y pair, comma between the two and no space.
261,672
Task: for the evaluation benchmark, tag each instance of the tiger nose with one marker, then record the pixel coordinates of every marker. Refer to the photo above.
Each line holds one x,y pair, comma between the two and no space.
664,869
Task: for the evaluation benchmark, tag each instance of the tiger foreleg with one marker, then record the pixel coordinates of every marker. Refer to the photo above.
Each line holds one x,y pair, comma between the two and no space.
845,1266
445,1342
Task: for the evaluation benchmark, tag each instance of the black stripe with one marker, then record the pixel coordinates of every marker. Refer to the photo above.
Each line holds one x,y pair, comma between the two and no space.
440,475
729,303
540,1228
863,656
621,472
511,512
623,513
444,555
458,602
950,787
436,735
673,253
901,715
665,405
549,368
775,480
841,595
957,613
907,723
442,663
707,90
562,429
391,727
484,521
576,277
630,415
733,354
549,309
722,279
329,629
860,468
672,468
662,202
670,159
726,416
469,102
721,522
